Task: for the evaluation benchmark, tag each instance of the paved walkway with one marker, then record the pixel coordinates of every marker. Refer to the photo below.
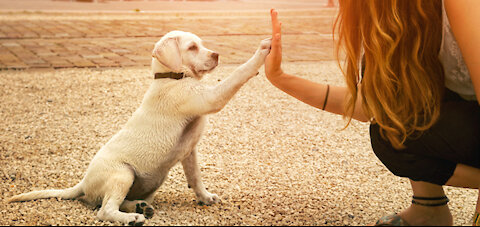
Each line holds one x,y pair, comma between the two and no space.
58,40
157,5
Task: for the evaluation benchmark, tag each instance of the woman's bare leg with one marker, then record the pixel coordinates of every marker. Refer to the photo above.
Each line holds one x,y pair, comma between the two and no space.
426,215
464,177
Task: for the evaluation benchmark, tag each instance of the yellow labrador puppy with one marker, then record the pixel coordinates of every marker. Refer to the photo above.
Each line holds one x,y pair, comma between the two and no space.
127,171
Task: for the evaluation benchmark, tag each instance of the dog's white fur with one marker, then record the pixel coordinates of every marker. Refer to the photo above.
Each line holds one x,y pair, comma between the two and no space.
163,131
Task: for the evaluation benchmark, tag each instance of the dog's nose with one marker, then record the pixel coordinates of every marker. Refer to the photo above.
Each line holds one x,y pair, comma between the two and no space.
215,56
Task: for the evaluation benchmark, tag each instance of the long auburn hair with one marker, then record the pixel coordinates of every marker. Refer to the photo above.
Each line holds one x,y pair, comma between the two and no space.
403,80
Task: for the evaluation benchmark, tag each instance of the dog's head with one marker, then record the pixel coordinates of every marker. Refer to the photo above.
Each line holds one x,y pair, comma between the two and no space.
184,52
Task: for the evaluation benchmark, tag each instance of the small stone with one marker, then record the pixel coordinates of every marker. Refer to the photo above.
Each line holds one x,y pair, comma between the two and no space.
13,175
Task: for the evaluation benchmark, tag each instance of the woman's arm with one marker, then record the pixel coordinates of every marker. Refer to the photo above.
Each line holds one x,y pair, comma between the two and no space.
464,17
309,92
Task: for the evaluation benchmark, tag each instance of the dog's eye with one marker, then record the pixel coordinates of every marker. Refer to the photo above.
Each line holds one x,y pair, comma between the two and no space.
193,47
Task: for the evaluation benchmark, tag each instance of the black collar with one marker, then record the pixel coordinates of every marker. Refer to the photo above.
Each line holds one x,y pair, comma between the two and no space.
171,75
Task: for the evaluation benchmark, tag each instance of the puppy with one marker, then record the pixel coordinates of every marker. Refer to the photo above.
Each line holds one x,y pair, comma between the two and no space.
127,171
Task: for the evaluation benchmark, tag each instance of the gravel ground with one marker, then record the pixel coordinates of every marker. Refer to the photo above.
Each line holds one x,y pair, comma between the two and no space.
271,159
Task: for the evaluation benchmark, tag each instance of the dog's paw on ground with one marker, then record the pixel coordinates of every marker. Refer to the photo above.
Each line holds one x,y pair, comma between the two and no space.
208,199
138,220
144,208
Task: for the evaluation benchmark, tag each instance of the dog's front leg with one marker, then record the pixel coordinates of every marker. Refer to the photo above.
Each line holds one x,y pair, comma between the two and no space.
228,87
223,92
192,172
213,100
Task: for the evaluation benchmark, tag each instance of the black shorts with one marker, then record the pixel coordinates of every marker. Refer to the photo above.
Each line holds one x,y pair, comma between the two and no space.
454,139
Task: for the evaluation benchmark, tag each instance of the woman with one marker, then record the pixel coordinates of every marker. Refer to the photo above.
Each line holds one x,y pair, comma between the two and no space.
406,75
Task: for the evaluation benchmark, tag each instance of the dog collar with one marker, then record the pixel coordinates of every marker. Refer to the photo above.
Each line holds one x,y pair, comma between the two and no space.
171,75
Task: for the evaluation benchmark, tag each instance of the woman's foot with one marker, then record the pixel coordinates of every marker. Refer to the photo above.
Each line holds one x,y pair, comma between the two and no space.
423,215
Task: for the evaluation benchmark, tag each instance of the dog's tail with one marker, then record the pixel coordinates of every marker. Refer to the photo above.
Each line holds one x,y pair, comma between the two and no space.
69,193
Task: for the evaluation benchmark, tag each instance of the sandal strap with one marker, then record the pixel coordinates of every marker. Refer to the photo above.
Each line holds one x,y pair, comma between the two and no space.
476,219
391,220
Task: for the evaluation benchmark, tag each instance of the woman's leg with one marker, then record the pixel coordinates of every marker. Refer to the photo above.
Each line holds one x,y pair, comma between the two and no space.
463,176
426,215
467,177
434,157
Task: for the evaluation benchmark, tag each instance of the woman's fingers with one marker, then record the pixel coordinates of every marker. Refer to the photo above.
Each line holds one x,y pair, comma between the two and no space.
278,37
276,28
274,59
276,51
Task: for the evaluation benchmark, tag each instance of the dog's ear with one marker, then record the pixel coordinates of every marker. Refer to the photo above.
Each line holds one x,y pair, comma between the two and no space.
168,53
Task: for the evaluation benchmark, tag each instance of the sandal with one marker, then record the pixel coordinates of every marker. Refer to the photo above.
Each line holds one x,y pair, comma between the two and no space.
396,220
391,220
476,219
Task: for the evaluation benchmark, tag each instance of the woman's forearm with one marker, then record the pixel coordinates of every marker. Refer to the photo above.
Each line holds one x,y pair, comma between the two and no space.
309,92
314,94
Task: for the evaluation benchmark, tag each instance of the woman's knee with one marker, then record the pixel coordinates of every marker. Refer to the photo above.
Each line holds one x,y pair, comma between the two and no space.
410,162
465,176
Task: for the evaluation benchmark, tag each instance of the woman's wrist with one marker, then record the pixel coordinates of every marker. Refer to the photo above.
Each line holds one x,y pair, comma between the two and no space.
281,80
275,76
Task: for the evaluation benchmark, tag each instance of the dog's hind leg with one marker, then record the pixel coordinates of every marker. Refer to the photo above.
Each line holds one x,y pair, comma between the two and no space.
139,206
192,172
116,189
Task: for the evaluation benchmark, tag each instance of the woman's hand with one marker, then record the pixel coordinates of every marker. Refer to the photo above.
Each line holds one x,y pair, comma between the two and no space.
309,92
273,62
